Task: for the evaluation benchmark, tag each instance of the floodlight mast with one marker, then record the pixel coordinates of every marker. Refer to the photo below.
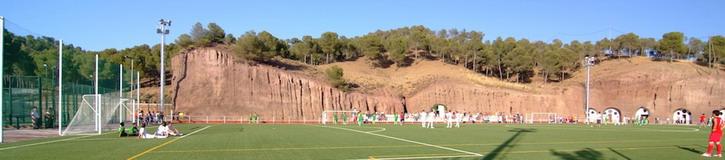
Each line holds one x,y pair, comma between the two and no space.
588,62
163,30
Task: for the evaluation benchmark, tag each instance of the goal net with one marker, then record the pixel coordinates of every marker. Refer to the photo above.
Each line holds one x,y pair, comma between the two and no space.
98,113
543,117
337,117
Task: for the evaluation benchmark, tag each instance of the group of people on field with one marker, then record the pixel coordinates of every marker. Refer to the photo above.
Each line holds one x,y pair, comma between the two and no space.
165,129
428,118
150,117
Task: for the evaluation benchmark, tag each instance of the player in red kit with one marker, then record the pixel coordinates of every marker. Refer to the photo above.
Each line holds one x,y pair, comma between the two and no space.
715,135
702,120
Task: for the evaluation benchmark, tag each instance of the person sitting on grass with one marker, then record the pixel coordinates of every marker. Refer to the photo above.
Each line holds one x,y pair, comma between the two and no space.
133,131
162,131
142,133
122,130
173,131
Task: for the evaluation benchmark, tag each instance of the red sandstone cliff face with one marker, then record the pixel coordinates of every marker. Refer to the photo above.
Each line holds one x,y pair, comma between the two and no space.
210,82
660,87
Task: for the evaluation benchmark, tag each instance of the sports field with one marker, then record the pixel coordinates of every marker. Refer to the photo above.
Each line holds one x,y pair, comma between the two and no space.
382,141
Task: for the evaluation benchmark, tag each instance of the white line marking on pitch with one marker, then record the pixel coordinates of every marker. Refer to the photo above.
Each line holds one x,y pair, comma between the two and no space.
53,141
46,142
380,129
424,157
165,143
410,141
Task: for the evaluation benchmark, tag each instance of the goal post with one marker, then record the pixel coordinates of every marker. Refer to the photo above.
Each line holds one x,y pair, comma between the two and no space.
542,117
98,113
337,116
86,119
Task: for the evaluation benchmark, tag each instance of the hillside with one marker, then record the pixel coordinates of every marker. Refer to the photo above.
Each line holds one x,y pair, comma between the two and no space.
408,80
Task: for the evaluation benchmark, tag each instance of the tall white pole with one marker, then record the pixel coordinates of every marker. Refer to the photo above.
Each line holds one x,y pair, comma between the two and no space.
163,30
97,97
588,62
163,74
120,93
587,90
133,103
138,88
2,33
60,88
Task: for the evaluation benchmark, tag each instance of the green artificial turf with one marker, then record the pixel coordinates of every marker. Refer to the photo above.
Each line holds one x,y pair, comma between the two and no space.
381,141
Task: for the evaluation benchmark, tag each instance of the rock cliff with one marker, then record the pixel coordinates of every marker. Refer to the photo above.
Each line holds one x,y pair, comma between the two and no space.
210,81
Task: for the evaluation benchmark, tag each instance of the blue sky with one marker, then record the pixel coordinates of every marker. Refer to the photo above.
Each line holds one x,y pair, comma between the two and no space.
97,25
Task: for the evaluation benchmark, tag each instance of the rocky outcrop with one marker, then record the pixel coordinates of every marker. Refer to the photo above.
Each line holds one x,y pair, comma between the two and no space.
210,81
215,84
661,88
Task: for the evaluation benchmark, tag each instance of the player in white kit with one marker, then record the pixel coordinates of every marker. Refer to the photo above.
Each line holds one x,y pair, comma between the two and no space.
431,119
459,118
422,117
449,119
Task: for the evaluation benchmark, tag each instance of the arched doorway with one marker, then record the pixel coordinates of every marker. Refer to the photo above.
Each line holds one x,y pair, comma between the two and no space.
440,109
612,115
593,115
682,116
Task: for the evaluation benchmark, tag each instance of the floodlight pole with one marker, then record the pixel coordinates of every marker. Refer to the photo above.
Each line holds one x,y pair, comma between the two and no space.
60,88
2,33
588,63
163,31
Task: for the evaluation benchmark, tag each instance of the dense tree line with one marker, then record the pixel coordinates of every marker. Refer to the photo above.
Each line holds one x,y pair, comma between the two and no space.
38,56
507,58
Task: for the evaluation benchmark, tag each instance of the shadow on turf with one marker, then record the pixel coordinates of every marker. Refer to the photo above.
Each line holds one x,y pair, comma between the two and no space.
509,143
584,154
619,153
693,150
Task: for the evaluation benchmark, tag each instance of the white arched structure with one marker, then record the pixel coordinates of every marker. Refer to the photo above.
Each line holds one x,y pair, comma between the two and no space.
641,111
440,109
593,115
613,115
682,116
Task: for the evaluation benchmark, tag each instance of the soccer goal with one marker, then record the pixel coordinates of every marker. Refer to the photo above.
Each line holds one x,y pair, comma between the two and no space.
337,117
98,113
542,117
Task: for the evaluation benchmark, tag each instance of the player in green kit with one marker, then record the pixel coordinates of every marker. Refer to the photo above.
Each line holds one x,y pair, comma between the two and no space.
359,119
344,119
374,117
334,118
396,119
